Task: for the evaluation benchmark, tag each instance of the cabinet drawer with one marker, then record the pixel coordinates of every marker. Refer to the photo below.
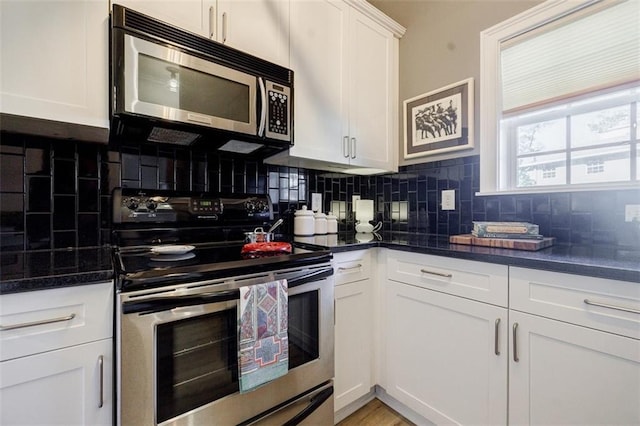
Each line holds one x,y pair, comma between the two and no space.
480,281
599,303
44,320
352,266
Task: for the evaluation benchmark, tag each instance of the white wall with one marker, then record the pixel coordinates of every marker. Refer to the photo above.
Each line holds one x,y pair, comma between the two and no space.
442,46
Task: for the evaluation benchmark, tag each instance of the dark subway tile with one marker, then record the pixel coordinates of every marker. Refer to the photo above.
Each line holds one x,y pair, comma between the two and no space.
64,212
11,213
88,195
149,177
64,239
38,194
130,167
64,149
64,177
11,242
88,230
88,161
38,231
38,159
507,205
11,173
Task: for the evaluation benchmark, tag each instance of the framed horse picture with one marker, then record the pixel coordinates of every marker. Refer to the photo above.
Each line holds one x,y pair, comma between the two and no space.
440,121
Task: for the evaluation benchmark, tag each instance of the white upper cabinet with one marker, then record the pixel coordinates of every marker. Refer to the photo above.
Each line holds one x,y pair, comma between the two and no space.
318,60
372,94
196,16
257,27
346,97
55,61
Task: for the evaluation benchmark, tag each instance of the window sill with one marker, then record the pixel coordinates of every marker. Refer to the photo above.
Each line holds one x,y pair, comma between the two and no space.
564,188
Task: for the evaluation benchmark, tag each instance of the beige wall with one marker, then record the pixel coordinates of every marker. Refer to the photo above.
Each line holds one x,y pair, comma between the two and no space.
442,46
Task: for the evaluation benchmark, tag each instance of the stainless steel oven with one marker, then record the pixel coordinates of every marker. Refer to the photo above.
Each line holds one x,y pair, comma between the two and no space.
177,321
180,344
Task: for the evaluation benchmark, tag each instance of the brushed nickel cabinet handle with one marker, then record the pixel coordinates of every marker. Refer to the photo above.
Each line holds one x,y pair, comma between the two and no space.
342,268
345,147
515,342
101,364
34,323
212,22
440,274
616,307
496,346
353,147
224,27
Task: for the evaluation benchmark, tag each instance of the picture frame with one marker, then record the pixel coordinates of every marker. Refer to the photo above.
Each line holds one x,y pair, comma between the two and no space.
439,121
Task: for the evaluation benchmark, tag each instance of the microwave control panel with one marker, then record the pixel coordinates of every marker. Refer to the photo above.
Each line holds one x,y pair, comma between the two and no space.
279,111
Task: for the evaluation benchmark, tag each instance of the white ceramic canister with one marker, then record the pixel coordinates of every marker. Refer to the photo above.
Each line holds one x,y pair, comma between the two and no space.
332,223
303,222
320,223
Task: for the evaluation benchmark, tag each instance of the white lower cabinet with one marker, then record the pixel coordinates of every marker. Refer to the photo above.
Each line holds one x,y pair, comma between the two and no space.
565,374
353,332
446,355
574,352
70,386
56,357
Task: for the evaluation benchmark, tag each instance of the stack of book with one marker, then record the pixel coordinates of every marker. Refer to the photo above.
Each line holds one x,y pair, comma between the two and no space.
506,230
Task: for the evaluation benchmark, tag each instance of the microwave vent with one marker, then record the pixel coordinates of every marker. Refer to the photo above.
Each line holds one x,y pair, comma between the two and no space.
178,137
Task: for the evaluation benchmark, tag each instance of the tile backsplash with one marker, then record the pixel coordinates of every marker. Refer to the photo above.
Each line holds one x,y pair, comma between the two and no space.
56,193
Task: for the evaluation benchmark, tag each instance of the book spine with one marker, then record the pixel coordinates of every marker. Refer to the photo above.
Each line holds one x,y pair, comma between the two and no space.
507,235
506,228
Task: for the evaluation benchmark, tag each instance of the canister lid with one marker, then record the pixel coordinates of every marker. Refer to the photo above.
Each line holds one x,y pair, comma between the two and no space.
303,212
331,216
320,215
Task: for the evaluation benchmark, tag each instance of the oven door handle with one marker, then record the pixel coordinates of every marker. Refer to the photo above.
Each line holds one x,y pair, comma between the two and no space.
159,304
315,402
313,276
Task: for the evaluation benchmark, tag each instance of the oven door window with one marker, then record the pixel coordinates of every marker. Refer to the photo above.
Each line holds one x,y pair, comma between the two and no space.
196,362
197,358
304,344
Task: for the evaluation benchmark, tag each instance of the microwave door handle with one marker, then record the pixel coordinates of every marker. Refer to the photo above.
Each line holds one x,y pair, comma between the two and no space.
159,304
263,110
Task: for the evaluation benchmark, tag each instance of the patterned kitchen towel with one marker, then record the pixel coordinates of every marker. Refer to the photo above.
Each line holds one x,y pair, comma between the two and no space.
264,342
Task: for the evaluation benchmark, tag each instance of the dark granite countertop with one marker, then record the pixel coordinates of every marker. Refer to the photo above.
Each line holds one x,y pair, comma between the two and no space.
591,260
40,270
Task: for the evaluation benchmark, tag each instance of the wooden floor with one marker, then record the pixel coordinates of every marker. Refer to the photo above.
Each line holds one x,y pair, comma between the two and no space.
375,413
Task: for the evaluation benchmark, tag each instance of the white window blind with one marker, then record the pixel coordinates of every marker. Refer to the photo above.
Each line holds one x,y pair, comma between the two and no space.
596,48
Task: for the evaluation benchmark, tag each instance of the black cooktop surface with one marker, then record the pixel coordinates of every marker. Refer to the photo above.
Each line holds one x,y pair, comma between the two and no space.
140,267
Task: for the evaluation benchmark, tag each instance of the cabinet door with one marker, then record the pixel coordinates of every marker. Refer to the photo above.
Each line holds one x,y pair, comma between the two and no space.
567,374
318,59
55,60
353,342
258,27
372,93
71,386
441,355
197,16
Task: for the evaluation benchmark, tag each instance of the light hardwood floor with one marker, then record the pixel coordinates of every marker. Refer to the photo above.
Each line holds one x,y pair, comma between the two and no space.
375,413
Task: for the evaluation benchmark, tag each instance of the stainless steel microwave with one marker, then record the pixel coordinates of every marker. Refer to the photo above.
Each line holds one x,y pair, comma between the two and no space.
172,86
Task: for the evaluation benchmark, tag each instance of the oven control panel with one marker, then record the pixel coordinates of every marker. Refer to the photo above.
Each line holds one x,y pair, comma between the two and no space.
160,206
205,206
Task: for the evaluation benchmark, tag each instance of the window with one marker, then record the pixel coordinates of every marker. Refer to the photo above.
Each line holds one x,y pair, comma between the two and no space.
560,98
595,166
548,172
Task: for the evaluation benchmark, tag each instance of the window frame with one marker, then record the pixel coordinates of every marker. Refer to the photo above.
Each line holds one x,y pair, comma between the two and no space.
495,166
